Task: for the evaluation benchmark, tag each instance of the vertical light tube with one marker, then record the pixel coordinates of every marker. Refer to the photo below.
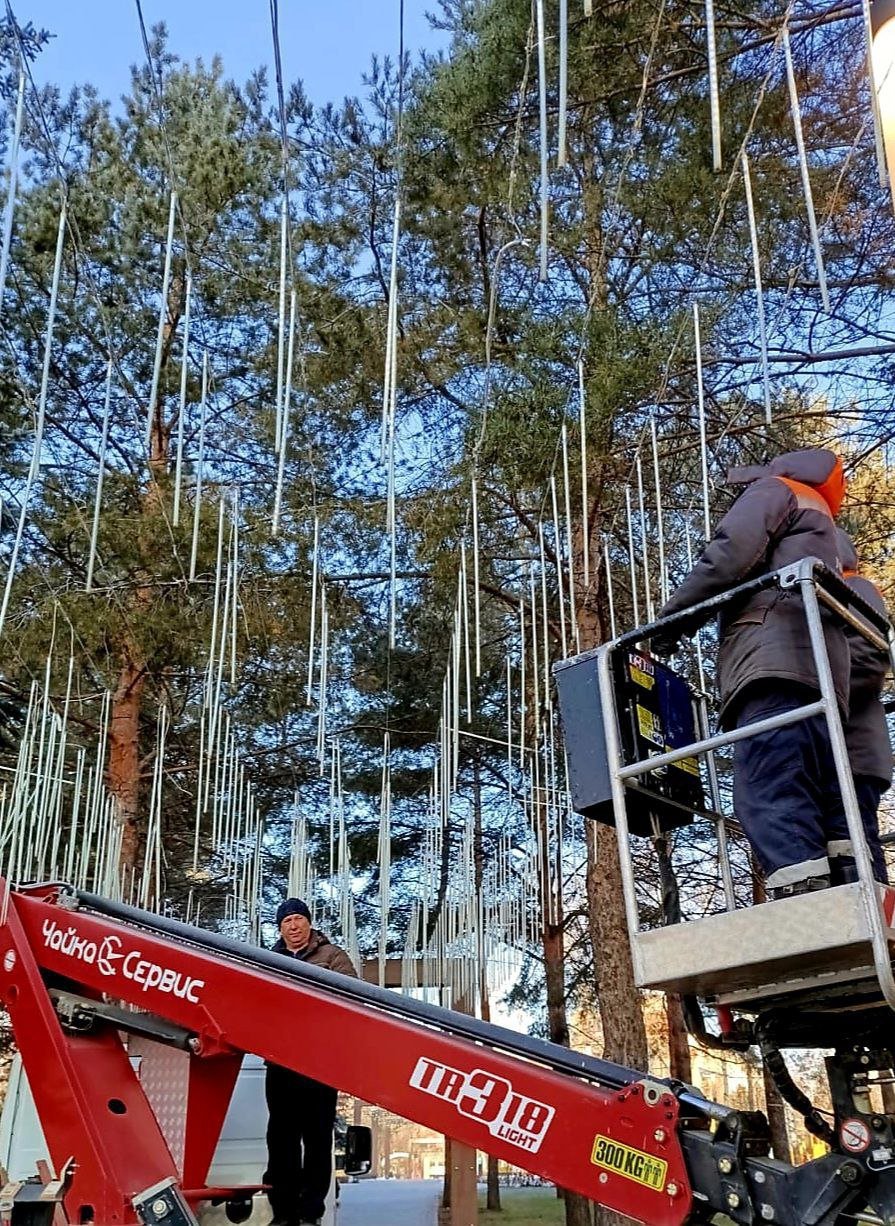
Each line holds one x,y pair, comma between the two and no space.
197,509
314,571
476,589
610,595
647,586
803,170
162,318
573,610
703,449
97,502
557,553
12,186
181,425
281,321
561,155
663,573
759,292
585,512
284,421
714,101
632,564
542,111
875,18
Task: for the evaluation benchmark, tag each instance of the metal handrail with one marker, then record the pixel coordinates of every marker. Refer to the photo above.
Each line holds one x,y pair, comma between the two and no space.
870,896
721,739
841,597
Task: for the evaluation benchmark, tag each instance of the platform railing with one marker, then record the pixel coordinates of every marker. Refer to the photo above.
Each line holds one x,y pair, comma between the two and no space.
817,586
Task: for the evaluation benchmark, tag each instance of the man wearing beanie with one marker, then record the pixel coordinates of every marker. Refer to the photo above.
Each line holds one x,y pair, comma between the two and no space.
302,1112
785,787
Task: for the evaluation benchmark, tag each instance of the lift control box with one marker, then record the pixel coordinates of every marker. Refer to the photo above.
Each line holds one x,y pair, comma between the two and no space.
655,714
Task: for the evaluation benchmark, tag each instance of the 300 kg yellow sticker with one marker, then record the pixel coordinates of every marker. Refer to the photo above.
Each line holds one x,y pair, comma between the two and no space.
629,1163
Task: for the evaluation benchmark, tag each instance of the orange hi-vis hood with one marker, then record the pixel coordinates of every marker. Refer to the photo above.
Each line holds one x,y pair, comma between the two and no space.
833,489
817,468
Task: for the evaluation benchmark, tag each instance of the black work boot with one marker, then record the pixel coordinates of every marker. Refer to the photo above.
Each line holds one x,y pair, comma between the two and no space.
843,870
806,886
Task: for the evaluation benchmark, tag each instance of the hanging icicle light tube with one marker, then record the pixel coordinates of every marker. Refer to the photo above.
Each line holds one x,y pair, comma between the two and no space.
882,25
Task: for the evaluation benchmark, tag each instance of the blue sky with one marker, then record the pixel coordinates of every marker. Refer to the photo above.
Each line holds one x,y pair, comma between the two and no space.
326,43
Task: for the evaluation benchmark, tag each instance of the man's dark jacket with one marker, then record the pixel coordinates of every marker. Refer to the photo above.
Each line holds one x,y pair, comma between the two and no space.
782,516
866,732
320,951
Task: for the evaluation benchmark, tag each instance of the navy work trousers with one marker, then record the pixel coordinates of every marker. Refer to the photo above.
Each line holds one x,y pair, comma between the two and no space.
786,793
302,1113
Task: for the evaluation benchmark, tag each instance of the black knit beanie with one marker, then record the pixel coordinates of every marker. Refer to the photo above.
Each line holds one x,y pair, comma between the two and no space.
293,906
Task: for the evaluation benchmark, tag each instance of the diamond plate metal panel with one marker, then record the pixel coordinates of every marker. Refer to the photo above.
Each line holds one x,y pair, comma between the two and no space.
164,1075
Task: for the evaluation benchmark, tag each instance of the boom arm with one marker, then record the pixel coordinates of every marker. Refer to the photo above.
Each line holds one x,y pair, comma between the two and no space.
634,1145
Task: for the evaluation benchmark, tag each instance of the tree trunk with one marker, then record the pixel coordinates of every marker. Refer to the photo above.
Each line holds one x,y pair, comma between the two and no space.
776,1118
624,1033
123,772
124,765
492,1202
679,1062
554,971
552,943
621,1014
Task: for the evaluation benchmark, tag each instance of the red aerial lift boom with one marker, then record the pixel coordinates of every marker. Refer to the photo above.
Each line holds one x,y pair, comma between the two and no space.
77,970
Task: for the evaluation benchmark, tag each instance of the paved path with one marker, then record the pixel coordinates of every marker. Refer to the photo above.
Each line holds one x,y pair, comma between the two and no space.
389,1202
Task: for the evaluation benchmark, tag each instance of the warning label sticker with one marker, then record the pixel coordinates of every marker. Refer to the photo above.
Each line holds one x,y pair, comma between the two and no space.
690,765
630,1163
639,677
643,665
649,727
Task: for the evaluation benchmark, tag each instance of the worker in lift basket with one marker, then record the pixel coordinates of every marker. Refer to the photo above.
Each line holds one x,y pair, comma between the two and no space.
301,1111
866,731
785,791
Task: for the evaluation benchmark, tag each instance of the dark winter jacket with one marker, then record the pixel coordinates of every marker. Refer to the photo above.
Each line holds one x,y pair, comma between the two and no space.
320,951
866,731
785,513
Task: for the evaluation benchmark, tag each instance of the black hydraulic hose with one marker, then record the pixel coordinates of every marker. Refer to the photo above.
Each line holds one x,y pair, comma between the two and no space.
694,1020
604,1072
668,883
789,1091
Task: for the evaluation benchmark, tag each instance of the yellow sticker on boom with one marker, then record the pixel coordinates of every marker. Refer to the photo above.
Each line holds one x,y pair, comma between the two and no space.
630,1163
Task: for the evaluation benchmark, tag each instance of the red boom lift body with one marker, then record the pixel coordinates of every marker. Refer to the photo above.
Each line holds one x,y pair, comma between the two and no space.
77,970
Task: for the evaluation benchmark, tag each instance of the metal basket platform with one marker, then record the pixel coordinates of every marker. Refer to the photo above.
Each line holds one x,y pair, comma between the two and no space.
747,956
831,949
